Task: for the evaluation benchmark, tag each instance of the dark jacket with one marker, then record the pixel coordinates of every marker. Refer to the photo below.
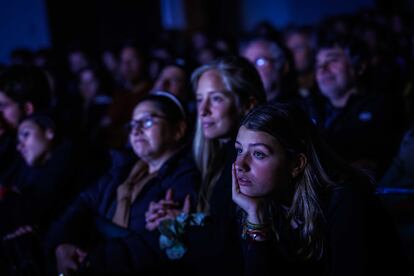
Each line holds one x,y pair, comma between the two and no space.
360,239
10,159
215,249
42,190
401,172
212,248
365,129
95,207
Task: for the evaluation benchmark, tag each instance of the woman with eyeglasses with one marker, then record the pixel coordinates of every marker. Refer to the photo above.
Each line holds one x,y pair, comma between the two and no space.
115,208
202,242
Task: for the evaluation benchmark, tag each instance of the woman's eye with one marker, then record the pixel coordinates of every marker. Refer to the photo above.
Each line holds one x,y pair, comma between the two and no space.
25,134
217,99
238,151
259,155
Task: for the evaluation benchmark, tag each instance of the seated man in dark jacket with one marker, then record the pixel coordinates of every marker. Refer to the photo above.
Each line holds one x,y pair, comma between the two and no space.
360,125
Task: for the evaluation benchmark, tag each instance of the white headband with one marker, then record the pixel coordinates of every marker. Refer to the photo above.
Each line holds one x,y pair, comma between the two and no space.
173,98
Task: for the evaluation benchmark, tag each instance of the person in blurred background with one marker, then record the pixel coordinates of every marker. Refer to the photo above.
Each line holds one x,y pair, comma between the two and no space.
300,43
360,125
23,91
133,69
38,192
274,66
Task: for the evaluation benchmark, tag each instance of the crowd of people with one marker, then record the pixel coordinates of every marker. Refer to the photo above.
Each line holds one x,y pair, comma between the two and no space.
254,155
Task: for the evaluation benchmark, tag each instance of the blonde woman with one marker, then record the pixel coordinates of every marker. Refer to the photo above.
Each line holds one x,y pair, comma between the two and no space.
225,92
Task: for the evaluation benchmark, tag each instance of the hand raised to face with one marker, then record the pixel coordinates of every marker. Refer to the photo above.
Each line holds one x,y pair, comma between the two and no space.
253,206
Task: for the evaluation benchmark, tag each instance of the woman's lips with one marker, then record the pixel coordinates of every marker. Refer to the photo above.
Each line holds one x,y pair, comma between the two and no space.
207,124
244,181
138,141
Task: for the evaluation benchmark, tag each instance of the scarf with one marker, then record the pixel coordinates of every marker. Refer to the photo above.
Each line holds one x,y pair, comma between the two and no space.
128,191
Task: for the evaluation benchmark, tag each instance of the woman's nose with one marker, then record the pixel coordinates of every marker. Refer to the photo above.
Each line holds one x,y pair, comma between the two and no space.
135,130
242,163
203,108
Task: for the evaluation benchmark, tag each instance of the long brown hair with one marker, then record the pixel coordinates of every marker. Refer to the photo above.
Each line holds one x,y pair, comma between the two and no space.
323,172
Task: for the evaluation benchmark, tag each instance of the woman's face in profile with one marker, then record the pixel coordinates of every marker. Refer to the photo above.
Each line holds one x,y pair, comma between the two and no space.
217,110
151,135
261,164
34,143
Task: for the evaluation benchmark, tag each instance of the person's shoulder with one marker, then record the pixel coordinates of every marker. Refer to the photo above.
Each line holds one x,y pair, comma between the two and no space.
409,135
181,162
351,195
369,100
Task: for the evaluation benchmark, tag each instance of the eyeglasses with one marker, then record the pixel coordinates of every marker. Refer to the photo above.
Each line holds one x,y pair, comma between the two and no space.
265,61
144,123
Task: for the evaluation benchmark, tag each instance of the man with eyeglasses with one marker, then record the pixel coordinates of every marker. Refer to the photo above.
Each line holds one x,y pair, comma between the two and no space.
271,62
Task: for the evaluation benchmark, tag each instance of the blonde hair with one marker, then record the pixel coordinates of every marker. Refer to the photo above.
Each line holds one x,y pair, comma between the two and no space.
242,79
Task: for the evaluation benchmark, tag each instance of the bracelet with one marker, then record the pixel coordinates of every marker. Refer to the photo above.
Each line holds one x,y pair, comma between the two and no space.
256,226
258,235
257,232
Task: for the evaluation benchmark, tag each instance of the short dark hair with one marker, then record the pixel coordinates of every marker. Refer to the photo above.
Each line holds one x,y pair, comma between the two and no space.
27,84
43,121
356,49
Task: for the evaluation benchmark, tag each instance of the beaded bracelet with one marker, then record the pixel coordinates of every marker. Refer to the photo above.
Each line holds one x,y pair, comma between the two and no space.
257,232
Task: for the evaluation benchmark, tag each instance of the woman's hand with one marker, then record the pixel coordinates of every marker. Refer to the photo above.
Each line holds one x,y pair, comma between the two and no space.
68,258
164,209
254,207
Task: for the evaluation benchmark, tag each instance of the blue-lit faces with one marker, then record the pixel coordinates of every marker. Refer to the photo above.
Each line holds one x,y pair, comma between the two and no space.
260,55
151,136
218,114
34,143
261,164
334,73
144,123
10,113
